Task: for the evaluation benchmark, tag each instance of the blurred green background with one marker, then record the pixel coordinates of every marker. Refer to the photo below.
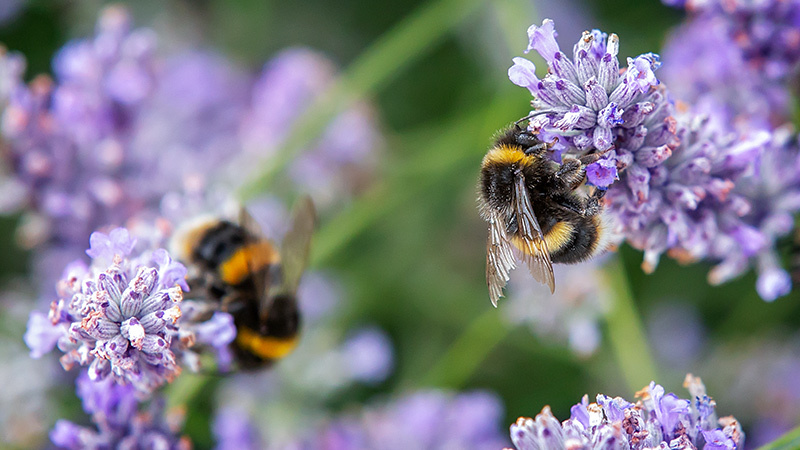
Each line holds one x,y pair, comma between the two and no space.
410,252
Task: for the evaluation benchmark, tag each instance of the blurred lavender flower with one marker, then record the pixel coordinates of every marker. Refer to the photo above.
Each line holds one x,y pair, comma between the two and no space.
572,314
66,141
10,9
234,431
767,32
369,354
706,65
114,411
656,421
774,195
588,104
760,374
675,331
341,162
421,420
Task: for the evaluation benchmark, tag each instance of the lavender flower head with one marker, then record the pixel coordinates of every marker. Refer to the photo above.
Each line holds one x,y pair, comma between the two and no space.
706,65
767,32
66,141
421,420
657,420
687,205
588,104
119,315
773,192
114,409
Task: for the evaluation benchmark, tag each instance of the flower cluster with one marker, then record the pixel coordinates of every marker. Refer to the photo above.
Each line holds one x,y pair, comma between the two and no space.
120,315
66,140
707,66
767,32
774,195
421,420
657,420
688,205
114,409
588,103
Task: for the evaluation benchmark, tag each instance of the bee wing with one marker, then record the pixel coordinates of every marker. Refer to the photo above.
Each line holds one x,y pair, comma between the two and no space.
499,258
297,245
264,280
531,241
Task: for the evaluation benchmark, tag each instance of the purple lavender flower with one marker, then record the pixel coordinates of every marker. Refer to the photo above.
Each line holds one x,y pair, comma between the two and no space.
656,421
706,65
341,162
422,420
687,205
66,141
120,424
773,192
369,354
767,32
120,313
589,104
234,431
122,316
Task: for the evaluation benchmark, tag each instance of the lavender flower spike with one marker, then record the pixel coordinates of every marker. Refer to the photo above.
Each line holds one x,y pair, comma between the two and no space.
589,104
114,411
118,316
655,421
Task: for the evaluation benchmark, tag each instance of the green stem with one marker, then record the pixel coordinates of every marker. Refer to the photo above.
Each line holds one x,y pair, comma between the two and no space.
468,351
383,61
185,388
626,332
789,441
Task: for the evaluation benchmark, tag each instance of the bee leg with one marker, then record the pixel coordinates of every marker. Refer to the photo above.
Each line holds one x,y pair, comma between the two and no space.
593,157
593,205
572,172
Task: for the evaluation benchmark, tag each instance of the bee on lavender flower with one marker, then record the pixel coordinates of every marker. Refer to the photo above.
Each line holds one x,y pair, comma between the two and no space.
241,272
535,209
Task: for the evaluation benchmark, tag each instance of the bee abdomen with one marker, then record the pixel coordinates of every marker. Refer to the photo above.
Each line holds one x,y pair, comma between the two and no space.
571,244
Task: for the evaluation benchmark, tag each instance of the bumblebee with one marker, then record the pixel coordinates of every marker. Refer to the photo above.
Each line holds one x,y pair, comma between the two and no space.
535,209
241,272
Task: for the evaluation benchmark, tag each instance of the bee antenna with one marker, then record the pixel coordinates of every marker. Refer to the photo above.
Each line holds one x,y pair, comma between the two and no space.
530,116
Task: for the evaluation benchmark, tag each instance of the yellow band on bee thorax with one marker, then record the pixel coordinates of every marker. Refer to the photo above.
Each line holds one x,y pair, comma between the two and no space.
505,155
246,260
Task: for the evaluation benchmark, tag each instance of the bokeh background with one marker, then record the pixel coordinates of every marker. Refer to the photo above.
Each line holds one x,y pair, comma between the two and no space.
408,251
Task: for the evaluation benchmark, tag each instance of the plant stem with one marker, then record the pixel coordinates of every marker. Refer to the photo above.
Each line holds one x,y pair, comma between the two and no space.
468,351
789,441
626,332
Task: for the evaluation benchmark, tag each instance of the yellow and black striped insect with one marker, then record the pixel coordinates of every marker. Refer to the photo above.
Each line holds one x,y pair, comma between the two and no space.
241,272
534,209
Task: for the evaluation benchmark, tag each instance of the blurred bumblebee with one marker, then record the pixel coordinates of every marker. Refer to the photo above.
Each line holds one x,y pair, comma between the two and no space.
242,273
535,210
